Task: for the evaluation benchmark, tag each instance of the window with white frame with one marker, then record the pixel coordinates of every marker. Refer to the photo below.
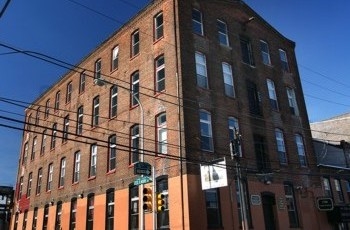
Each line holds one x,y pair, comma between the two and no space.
222,33
47,109
35,218
265,53
162,133
57,101
58,215
272,94
43,142
73,214
65,128
201,70
228,79
90,212
80,120
232,127
247,52
212,201
134,207
46,217
115,57
25,153
29,185
62,172
327,187
158,26
291,205
284,60
82,82
95,111
76,174
197,23
135,87
135,144
37,116
206,131
110,209
160,73
20,189
93,160
301,150
34,147
292,101
39,181
53,136
69,92
113,101
112,153
29,122
135,43
98,66
338,189
49,177
25,219
281,148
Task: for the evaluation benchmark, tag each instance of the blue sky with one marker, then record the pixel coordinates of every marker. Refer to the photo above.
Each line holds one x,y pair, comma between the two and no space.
68,30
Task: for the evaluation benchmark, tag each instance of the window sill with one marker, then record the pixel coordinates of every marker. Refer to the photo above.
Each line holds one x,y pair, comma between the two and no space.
111,172
61,188
92,178
75,183
157,40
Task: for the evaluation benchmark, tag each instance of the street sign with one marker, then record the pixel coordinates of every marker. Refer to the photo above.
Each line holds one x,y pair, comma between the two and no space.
142,168
142,180
324,203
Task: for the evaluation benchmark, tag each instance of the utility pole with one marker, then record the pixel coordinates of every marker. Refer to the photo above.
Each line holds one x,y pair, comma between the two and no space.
236,154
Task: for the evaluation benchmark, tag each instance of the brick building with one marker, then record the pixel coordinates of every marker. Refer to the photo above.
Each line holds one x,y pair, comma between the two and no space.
170,88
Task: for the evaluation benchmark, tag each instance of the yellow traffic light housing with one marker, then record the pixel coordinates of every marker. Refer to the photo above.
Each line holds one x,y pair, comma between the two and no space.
160,202
147,200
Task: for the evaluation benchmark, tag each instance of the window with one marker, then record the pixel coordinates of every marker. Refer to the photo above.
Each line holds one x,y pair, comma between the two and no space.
272,94
158,26
20,189
58,215
96,111
134,208
49,177
16,221
222,32
115,57
73,214
62,172
46,217
112,153
228,79
135,84
262,160
253,98
301,150
25,219
247,53
239,202
98,65
29,185
37,117
135,43
43,142
57,101
35,218
65,128
93,160
110,209
348,188
232,127
82,82
327,187
212,201
69,92
47,109
162,134
34,146
201,70
206,131
90,212
160,73
292,102
281,148
284,60
163,216
29,122
135,144
54,135
113,101
39,181
265,53
25,153
338,189
76,175
291,205
80,120
197,24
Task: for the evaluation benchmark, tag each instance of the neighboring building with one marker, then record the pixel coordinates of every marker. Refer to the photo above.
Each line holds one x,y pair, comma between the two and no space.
170,88
333,162
6,203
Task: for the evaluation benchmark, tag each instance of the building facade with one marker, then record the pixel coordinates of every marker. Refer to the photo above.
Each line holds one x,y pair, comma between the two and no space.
172,88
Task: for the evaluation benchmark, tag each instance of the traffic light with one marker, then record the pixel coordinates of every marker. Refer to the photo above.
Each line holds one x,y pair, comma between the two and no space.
160,202
147,199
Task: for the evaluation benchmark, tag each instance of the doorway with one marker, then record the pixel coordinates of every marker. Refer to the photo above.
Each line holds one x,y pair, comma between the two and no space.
269,207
